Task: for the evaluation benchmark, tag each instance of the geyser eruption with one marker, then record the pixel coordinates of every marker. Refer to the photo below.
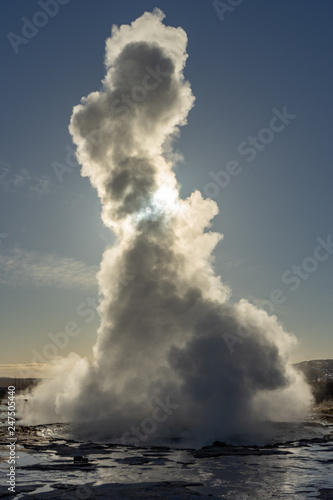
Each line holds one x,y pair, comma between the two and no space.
173,357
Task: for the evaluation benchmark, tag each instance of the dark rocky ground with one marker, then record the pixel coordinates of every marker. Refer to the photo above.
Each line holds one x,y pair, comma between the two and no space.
52,465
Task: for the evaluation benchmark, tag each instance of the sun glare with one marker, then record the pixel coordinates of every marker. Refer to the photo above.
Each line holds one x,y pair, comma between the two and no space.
165,198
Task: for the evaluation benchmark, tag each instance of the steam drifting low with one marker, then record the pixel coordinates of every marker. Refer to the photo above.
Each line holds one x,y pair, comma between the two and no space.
163,365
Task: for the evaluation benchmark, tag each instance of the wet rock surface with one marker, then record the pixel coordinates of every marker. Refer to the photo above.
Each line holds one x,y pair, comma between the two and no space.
326,494
51,464
172,490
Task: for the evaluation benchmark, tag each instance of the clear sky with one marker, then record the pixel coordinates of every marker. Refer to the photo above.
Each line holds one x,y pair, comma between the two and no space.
262,76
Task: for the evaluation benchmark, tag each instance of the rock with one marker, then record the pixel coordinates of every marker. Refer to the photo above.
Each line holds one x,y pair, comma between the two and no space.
78,459
166,490
133,460
325,494
230,450
219,444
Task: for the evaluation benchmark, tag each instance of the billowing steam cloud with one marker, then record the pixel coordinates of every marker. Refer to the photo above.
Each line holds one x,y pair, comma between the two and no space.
163,365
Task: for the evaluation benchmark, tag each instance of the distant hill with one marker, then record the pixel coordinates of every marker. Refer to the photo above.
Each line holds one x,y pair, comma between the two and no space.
6,381
19,384
317,370
319,374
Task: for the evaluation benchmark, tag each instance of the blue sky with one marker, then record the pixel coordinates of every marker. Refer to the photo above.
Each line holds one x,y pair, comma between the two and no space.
262,56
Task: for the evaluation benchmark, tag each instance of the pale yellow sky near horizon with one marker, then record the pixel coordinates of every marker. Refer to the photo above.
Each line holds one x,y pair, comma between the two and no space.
39,370
20,370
